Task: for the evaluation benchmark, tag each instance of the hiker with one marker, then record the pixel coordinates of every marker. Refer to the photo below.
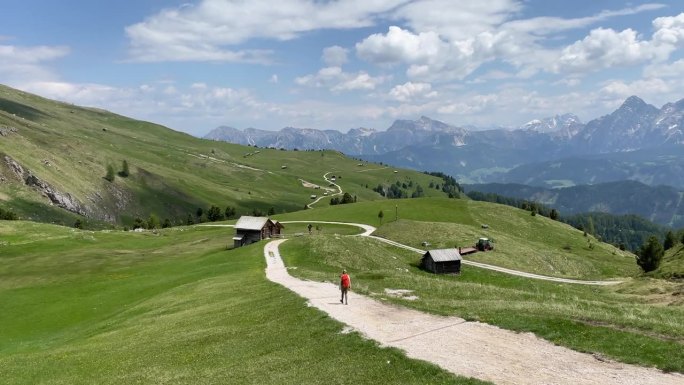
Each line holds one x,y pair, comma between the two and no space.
309,227
345,285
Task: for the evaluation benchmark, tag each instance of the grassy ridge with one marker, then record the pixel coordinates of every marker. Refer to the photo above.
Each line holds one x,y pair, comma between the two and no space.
172,174
175,307
618,322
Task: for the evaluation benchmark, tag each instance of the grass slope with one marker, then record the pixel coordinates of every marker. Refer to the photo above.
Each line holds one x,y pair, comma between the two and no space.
672,265
174,307
172,174
533,244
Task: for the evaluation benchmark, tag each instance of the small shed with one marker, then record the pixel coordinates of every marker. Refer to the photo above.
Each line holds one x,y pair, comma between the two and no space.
442,261
253,229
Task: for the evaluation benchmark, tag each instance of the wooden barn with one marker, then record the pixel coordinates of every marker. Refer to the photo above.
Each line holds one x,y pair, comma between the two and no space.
253,229
442,261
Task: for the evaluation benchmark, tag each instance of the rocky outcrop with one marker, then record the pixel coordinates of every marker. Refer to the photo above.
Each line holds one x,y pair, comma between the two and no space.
63,200
7,131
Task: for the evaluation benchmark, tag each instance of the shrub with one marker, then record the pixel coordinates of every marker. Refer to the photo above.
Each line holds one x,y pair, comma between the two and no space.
124,169
8,215
110,173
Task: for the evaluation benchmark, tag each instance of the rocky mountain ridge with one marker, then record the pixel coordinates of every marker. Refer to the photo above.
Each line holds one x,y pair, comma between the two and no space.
634,125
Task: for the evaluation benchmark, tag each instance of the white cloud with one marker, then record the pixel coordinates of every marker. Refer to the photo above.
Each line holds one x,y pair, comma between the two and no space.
401,46
335,56
337,80
447,42
605,48
19,63
410,91
457,21
669,30
204,32
651,89
273,79
668,70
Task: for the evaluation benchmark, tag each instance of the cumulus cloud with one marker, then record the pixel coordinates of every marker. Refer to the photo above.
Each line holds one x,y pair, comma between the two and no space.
607,48
401,46
336,80
411,91
335,56
206,31
447,42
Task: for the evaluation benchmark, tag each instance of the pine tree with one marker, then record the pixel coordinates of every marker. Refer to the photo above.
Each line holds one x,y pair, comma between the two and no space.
650,254
670,240
554,214
214,214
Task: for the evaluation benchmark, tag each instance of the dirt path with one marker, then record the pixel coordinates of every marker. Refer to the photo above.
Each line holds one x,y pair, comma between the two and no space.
468,349
339,190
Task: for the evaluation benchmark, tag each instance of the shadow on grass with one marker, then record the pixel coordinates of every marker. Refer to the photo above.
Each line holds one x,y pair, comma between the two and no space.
21,110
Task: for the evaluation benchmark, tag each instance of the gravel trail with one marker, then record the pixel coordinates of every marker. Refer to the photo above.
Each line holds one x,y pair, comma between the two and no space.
468,349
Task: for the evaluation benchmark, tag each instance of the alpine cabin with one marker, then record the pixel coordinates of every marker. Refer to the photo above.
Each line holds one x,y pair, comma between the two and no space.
442,261
253,229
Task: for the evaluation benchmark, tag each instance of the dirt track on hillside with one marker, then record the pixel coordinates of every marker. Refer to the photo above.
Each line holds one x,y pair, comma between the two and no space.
468,349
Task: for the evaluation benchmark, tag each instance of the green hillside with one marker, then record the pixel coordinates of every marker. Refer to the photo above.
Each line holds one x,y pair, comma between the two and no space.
69,148
672,265
81,307
178,305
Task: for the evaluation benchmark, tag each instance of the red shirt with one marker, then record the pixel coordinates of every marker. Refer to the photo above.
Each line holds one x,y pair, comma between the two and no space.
345,281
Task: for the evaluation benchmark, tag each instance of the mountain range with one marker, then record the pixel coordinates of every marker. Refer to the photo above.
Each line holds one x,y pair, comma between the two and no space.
653,135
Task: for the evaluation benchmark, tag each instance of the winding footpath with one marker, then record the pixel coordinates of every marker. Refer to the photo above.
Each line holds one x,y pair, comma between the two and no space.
339,191
470,349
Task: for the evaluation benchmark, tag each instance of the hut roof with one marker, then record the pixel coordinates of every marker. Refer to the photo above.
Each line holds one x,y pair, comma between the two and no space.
251,223
444,255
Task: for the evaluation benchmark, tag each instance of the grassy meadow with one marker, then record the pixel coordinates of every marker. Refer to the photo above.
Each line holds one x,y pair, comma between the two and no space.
178,306
171,173
533,244
84,307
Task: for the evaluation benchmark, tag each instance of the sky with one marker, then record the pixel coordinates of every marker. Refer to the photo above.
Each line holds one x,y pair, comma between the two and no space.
195,65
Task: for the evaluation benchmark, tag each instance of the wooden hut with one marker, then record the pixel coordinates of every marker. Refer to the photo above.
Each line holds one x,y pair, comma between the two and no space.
442,261
253,229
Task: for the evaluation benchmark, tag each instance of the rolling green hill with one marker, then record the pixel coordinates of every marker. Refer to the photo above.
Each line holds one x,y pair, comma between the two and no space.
178,305
168,308
55,156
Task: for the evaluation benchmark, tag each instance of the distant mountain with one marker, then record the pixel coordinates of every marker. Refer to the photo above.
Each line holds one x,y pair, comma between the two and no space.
521,155
661,204
662,165
562,126
356,141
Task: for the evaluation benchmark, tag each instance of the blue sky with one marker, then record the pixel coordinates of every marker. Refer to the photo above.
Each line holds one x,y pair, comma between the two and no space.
194,65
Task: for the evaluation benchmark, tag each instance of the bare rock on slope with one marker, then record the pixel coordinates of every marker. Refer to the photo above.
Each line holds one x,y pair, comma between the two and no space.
63,200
